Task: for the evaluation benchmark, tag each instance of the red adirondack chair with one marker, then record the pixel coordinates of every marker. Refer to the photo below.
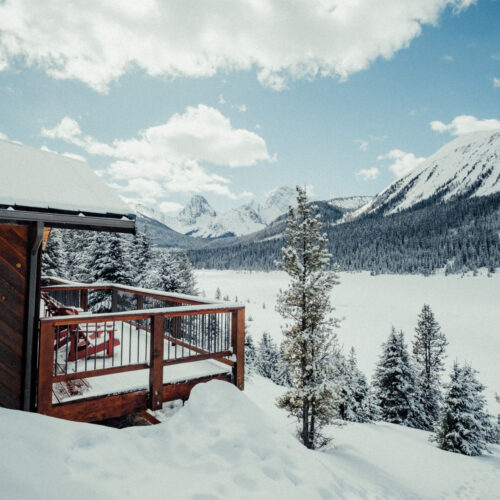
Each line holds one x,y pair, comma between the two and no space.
83,341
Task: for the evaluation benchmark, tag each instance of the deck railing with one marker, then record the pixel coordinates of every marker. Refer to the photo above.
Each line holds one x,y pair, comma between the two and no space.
164,329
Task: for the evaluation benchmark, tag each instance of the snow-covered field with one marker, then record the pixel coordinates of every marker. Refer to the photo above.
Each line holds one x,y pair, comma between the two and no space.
467,308
227,444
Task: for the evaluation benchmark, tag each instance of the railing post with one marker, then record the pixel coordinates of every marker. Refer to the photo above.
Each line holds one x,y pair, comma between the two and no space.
156,363
238,345
84,300
140,302
114,300
45,367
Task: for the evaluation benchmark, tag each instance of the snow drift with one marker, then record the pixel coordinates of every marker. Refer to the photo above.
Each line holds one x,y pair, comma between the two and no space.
223,445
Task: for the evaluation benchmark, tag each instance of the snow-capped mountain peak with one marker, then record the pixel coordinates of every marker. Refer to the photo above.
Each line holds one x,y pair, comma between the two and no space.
467,166
197,207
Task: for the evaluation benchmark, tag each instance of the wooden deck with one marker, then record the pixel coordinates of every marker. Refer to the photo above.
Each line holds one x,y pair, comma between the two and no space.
160,354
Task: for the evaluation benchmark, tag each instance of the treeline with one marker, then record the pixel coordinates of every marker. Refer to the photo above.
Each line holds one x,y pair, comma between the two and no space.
91,257
461,235
407,387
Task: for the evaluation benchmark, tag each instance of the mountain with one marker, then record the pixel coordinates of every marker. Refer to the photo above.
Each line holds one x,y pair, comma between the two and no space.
350,203
198,219
444,214
465,167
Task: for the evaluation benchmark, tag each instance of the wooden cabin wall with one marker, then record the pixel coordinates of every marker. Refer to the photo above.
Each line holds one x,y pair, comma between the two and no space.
13,273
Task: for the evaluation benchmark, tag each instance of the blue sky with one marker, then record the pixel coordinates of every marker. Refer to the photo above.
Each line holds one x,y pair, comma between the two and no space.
232,123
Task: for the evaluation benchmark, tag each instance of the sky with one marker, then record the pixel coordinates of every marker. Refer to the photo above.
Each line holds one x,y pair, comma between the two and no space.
230,99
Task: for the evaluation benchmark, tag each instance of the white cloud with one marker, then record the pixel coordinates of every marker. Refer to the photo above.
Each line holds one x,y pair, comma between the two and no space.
368,174
403,163
465,124
496,83
3,136
241,107
363,145
97,42
167,158
448,59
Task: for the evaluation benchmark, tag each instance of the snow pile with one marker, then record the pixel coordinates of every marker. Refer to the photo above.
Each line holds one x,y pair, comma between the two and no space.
223,445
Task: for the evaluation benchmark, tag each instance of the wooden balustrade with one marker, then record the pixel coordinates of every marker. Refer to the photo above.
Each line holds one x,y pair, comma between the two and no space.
228,351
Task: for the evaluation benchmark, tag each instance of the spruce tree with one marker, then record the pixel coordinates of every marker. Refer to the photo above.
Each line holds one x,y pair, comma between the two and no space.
250,354
464,425
429,351
267,357
395,385
308,336
142,256
283,375
356,402
54,256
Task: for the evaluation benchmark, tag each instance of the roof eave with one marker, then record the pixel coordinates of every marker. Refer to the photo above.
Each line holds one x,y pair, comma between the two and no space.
69,221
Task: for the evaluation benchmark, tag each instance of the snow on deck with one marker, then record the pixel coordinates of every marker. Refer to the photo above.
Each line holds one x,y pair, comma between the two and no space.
134,347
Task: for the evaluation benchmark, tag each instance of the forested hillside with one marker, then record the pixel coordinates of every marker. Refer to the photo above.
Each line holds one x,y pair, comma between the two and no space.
459,235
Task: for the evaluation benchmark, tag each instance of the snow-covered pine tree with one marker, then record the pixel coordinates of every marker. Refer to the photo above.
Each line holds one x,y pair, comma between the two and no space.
250,354
395,385
142,256
54,256
283,376
267,357
186,274
109,264
464,424
429,351
171,272
355,400
309,337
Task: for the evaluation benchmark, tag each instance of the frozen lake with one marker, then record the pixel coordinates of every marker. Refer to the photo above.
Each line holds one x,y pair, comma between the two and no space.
467,308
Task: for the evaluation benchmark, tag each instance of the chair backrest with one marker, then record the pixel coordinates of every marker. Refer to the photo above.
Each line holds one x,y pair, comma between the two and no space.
54,308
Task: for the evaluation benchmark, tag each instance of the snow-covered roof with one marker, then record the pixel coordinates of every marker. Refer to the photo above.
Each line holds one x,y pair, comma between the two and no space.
36,179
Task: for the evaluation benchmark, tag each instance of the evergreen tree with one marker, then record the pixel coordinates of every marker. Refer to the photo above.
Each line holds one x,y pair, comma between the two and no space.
283,375
250,354
142,256
464,425
108,263
308,338
356,402
165,274
54,256
429,351
267,357
186,274
395,385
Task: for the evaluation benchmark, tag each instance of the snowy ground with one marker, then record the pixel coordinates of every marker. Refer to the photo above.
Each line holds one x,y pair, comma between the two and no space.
227,444
467,308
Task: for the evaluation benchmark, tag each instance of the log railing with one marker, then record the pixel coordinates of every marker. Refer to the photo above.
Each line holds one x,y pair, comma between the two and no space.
87,345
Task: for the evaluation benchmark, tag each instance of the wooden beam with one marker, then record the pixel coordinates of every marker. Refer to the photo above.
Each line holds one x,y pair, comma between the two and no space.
45,368
197,357
101,407
97,373
156,368
238,345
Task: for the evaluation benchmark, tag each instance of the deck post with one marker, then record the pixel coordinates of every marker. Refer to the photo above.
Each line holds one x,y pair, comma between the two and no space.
156,363
84,300
114,300
45,367
140,302
238,345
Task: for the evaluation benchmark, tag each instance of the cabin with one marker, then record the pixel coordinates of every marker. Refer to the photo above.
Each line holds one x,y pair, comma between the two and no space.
57,357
